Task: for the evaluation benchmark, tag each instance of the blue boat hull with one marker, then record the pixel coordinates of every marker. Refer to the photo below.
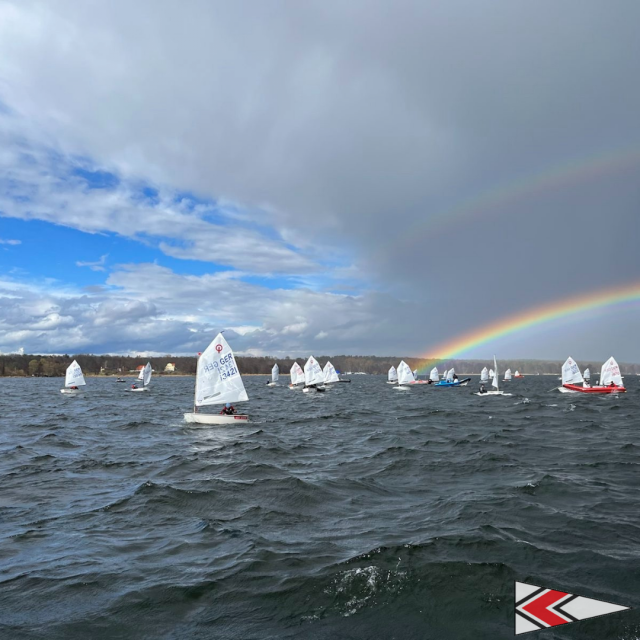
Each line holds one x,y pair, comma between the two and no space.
456,383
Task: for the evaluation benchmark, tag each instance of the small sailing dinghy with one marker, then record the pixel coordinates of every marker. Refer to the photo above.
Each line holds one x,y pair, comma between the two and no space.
494,383
297,376
73,380
586,374
275,376
434,376
610,379
392,376
330,375
313,376
507,376
218,382
517,374
145,377
491,373
405,376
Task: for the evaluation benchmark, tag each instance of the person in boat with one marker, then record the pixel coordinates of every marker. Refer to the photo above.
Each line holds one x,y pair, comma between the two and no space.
482,388
228,410
74,388
455,377
612,384
134,386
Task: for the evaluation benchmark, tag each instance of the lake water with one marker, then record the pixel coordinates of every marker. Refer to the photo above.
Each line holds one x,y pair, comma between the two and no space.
363,512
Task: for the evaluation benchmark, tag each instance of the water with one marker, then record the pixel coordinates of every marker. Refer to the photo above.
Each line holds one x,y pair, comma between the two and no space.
365,512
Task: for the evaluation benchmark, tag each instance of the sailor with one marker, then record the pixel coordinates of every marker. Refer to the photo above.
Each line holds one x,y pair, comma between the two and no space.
74,388
228,409
612,384
455,377
482,389
134,386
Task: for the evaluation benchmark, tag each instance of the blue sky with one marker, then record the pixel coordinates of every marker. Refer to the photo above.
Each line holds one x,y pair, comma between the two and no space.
271,171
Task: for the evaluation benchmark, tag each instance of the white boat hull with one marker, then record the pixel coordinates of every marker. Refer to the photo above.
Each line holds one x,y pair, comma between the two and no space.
72,392
493,393
212,418
392,382
272,384
138,389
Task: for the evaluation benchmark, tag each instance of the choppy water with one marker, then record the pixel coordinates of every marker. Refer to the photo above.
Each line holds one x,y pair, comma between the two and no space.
361,513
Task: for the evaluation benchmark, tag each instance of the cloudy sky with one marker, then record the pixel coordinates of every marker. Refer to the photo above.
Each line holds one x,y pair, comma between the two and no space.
316,177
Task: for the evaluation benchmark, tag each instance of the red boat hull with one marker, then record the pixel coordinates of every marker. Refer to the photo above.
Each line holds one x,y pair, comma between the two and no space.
575,387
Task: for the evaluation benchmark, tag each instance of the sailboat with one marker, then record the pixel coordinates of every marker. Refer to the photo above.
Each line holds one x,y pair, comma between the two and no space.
507,375
586,374
405,376
392,376
145,377
297,376
312,376
484,375
517,374
610,379
434,376
330,374
491,373
275,375
494,383
218,381
73,380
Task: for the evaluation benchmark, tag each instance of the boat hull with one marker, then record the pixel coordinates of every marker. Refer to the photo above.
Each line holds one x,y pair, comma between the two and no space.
72,392
457,383
138,389
212,418
574,388
493,393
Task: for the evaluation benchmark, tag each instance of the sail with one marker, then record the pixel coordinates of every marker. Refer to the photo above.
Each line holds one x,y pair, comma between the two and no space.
312,372
146,374
434,376
74,377
415,374
586,374
507,374
494,382
393,375
141,373
484,375
217,378
330,374
570,372
275,373
405,375
492,373
517,373
609,373
450,373
297,374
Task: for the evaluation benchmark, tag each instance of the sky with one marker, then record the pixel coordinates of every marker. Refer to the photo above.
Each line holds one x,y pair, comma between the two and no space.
320,177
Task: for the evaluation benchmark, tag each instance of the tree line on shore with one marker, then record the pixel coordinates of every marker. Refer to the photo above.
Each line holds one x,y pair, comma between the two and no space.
55,365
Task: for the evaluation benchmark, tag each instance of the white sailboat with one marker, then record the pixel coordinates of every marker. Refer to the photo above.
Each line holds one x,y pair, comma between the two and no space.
275,376
494,383
73,380
330,374
145,377
313,375
392,376
570,375
297,376
507,375
491,373
434,376
609,373
586,374
218,382
405,376
484,375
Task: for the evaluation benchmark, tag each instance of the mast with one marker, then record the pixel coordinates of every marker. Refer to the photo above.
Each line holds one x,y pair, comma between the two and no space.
195,386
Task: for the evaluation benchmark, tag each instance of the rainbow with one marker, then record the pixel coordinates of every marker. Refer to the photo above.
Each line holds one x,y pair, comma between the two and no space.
530,318
494,200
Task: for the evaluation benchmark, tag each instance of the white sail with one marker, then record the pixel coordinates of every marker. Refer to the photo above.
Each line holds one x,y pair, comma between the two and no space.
312,372
415,374
517,373
405,375
275,373
74,377
330,374
484,375
434,376
586,374
609,373
494,382
217,379
146,374
393,375
297,374
141,373
571,372
507,374
492,373
450,373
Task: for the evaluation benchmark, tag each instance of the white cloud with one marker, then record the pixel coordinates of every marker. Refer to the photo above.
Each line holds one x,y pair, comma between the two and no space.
11,242
98,265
